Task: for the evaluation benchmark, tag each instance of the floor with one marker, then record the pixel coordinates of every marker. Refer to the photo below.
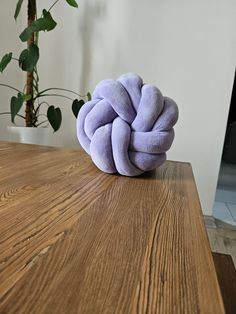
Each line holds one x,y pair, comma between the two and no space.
225,201
223,240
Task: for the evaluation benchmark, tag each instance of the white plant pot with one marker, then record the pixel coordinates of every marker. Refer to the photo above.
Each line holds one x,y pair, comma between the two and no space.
39,136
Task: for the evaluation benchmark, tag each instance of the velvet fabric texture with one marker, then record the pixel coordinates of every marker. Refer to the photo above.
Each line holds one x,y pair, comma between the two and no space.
127,127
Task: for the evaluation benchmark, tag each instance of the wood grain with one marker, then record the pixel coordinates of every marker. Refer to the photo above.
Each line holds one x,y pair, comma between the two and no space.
75,240
226,275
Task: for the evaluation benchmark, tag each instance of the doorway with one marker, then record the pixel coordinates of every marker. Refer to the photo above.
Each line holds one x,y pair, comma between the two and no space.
224,209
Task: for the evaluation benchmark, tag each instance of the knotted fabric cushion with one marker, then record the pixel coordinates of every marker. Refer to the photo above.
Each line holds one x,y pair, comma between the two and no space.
127,127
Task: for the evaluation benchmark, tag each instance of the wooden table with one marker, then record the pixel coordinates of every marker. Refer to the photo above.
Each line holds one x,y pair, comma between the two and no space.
76,240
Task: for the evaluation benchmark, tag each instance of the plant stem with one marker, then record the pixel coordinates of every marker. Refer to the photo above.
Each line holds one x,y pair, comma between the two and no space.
36,73
10,113
30,76
42,103
52,5
57,95
41,123
62,89
38,107
36,79
36,88
5,85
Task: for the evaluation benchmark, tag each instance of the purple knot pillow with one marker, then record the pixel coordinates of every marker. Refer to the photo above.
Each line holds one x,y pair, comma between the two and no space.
127,127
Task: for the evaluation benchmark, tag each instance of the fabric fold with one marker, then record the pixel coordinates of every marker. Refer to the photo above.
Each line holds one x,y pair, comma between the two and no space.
127,127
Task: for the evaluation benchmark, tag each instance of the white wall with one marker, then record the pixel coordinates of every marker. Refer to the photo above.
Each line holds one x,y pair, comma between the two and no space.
9,42
186,47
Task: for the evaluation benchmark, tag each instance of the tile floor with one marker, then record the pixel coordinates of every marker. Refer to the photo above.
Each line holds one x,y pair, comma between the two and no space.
225,211
225,201
223,240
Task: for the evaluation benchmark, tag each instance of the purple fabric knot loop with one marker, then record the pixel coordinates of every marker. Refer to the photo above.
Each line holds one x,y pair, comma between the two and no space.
127,127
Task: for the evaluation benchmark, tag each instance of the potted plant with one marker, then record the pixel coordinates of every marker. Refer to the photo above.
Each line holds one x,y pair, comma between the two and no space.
38,112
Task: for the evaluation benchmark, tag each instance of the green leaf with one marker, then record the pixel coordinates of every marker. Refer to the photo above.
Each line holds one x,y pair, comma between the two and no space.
54,117
76,106
72,3
5,60
44,23
25,35
29,58
16,104
26,97
22,58
89,96
18,8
